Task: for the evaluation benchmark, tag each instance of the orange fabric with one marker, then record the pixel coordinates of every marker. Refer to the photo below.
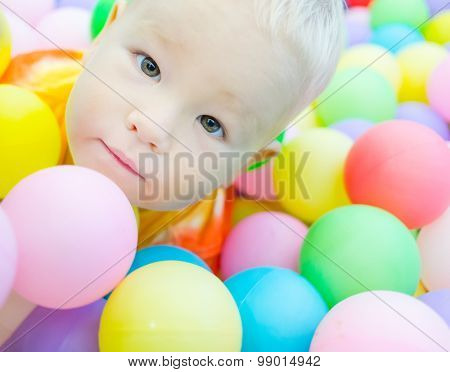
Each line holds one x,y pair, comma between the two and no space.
200,228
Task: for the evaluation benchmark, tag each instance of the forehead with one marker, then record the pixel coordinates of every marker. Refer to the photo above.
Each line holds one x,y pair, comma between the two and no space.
221,43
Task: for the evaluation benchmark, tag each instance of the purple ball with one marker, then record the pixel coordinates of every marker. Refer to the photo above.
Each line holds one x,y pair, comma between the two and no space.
354,128
63,330
423,114
358,25
439,301
87,4
436,5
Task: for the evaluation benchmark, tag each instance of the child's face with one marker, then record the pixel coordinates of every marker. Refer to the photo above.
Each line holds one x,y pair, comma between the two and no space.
178,79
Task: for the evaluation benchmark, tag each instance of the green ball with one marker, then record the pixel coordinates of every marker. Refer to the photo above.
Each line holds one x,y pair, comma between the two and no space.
359,248
409,12
100,16
356,93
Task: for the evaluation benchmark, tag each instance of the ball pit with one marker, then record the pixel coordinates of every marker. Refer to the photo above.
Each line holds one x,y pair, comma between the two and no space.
417,63
381,321
396,36
394,11
386,169
304,192
342,99
423,114
358,248
46,330
8,257
53,213
170,306
439,301
263,239
30,138
280,310
433,242
438,89
376,58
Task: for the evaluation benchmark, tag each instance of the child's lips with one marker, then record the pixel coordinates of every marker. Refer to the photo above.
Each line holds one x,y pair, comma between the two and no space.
123,160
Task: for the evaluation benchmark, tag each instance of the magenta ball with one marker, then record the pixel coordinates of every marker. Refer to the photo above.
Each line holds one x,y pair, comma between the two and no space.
381,321
358,25
76,236
8,257
423,114
66,28
257,184
263,239
438,89
353,128
31,11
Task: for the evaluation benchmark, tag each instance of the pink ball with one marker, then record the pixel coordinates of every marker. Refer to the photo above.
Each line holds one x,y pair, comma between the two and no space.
263,239
68,28
438,89
402,167
381,321
76,236
257,184
31,11
8,257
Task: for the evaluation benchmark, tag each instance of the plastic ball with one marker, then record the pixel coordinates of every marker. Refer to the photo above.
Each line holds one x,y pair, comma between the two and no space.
66,28
308,174
423,114
76,226
257,184
382,321
377,58
244,208
417,63
402,167
87,4
396,36
170,306
30,138
100,16
263,239
8,257
342,99
437,6
439,301
5,43
30,11
438,29
409,12
280,309
45,330
438,89
353,128
434,243
359,248
358,25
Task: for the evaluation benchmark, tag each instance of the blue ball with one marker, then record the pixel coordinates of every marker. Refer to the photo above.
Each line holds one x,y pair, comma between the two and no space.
396,36
280,309
158,253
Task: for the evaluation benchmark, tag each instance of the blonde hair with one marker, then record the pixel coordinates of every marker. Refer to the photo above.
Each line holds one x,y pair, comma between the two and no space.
315,31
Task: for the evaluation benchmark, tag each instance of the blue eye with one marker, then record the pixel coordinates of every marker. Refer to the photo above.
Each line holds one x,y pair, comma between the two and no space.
212,126
148,66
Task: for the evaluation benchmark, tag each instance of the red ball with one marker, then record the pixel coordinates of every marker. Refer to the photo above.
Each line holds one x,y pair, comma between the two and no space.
358,2
402,167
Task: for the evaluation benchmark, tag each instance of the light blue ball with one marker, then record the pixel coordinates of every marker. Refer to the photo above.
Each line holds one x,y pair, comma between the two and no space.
396,36
280,309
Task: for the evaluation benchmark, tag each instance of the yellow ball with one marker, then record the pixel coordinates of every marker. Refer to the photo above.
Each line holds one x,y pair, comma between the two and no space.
417,62
170,306
438,29
5,44
137,215
30,138
420,290
309,173
377,58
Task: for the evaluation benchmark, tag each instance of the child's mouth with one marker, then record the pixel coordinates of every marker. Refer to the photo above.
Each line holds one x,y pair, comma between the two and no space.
123,160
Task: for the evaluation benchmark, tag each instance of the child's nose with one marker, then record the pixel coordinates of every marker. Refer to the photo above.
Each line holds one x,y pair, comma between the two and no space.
149,131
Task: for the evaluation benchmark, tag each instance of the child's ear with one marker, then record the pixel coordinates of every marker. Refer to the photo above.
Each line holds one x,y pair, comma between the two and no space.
117,10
